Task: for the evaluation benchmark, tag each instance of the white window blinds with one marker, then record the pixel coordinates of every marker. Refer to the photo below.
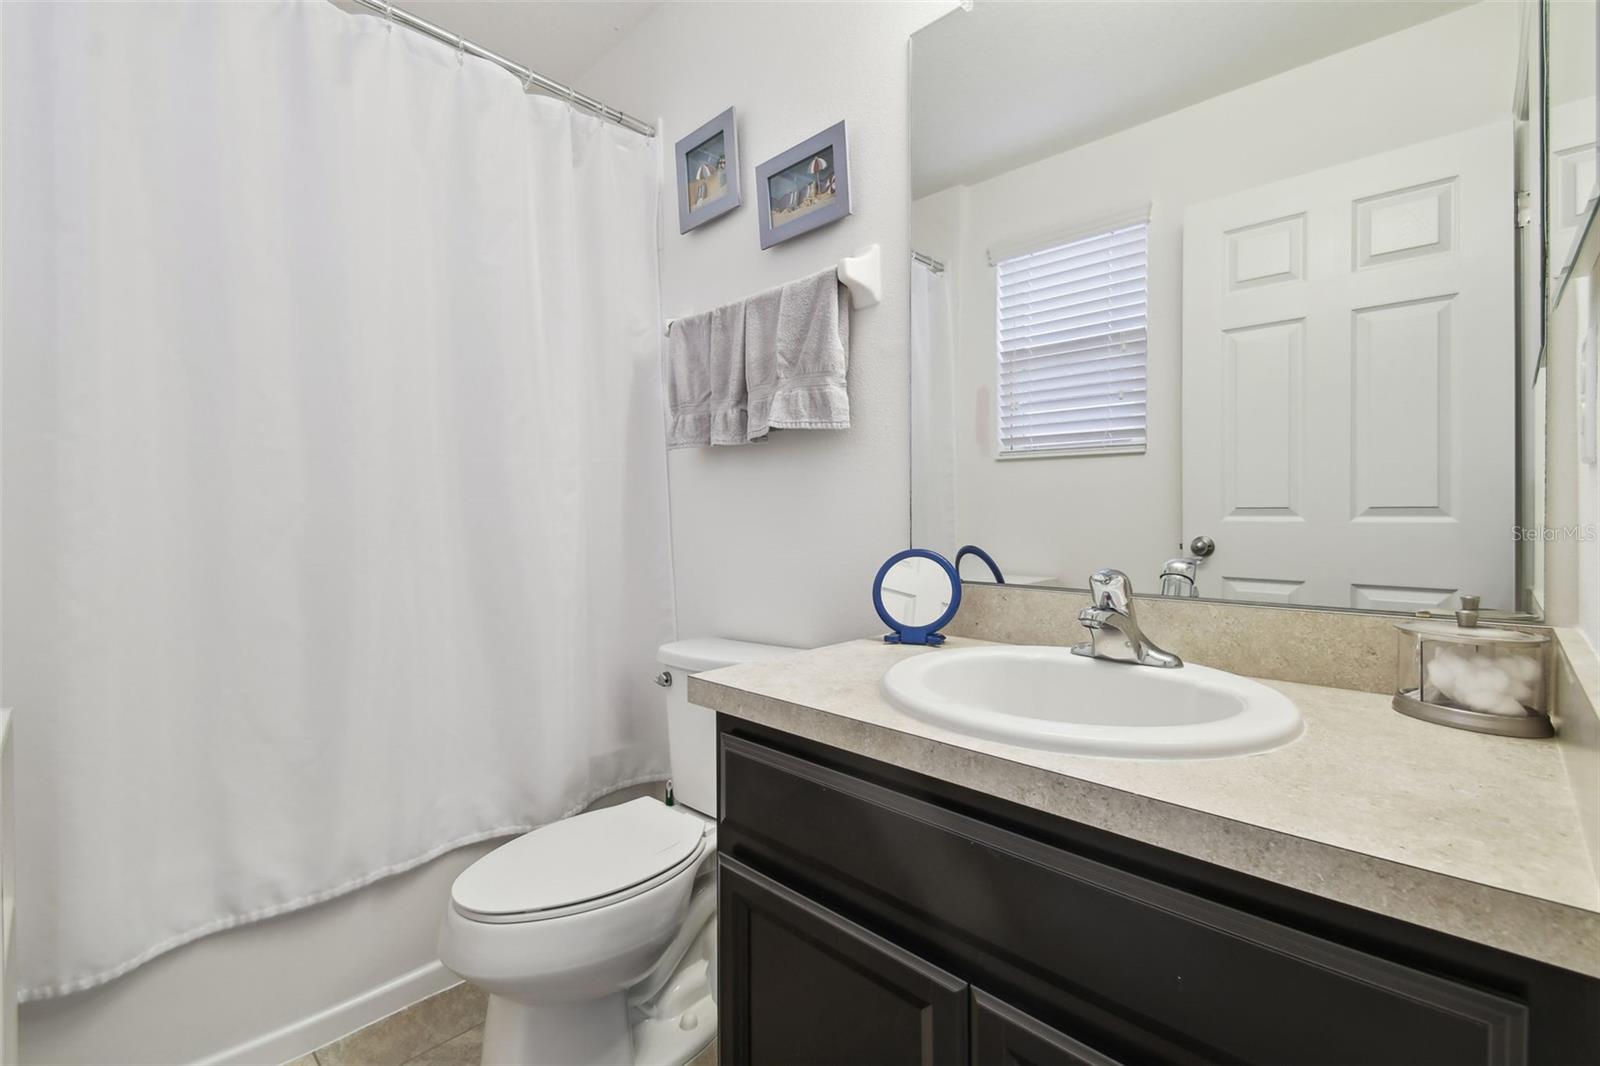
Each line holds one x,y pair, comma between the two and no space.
1071,326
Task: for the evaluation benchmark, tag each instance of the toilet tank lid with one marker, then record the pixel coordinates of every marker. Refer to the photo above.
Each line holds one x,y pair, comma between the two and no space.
709,653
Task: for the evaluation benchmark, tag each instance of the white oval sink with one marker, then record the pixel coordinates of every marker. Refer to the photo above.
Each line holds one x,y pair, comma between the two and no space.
1049,698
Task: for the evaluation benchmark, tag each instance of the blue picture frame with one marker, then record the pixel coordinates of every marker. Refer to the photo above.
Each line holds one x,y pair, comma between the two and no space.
714,150
805,187
928,634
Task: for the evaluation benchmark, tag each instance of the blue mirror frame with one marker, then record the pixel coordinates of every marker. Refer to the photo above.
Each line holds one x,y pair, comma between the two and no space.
904,634
973,549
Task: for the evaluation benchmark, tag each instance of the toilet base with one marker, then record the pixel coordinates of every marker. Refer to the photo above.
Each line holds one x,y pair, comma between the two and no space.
675,1040
594,1033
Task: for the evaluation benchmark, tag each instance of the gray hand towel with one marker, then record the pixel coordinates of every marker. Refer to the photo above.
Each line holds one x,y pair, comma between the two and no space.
688,382
797,356
726,365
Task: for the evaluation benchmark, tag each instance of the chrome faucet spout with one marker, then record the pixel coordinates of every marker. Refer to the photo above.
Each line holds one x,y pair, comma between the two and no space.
1180,576
1114,633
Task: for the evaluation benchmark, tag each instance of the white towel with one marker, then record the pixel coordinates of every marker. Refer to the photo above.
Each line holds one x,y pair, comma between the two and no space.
688,382
797,356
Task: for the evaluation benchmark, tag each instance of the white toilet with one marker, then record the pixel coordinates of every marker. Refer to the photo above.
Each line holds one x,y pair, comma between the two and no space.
595,937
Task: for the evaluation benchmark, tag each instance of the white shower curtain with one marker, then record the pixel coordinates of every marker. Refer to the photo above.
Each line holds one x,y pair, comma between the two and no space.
334,491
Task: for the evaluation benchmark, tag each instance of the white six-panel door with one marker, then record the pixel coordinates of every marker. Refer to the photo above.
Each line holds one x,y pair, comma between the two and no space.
1349,381
1571,175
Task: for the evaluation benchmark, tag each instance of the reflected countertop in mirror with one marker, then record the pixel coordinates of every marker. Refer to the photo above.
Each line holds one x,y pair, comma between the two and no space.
1264,286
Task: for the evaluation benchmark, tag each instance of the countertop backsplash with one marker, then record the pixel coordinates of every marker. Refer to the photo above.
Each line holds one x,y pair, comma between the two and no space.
1339,649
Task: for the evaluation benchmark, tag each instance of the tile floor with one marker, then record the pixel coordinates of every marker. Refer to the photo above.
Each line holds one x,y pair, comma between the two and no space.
446,1028
443,1030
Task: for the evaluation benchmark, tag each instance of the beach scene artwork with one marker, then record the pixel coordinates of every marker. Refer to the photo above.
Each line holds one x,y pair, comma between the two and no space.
706,169
803,187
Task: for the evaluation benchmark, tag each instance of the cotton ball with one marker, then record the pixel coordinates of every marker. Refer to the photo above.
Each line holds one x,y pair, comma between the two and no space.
1525,672
1521,667
1444,676
1504,705
1478,683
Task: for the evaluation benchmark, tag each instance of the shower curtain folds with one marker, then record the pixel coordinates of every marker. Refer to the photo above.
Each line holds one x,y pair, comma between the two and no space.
334,492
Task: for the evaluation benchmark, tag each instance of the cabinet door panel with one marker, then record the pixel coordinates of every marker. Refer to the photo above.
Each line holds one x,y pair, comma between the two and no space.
802,986
1002,1035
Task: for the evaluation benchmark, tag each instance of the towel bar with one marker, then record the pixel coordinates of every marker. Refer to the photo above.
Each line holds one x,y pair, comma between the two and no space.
861,273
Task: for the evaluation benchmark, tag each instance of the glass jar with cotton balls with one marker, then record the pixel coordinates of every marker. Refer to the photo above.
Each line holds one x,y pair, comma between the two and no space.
1486,679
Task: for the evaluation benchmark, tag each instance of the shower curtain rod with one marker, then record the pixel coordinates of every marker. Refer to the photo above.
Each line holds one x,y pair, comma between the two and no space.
526,76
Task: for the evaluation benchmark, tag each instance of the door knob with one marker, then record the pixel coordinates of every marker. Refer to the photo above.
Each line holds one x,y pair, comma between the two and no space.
1202,546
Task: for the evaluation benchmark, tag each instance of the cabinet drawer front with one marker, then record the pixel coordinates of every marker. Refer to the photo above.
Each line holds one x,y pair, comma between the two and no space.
1226,983
805,987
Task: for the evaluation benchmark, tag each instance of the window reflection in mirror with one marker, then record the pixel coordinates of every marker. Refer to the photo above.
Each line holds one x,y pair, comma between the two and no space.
1247,272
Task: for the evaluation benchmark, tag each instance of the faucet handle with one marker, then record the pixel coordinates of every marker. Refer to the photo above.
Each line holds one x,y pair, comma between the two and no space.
1111,588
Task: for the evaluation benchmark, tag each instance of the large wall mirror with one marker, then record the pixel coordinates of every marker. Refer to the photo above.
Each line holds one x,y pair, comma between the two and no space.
1266,279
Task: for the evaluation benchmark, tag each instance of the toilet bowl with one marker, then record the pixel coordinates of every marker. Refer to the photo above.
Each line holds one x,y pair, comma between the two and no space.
559,925
595,936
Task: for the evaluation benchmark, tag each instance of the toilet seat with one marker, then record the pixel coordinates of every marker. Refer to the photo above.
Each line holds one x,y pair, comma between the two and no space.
580,864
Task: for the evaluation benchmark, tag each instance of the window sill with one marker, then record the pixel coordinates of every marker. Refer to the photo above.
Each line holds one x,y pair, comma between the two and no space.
1073,453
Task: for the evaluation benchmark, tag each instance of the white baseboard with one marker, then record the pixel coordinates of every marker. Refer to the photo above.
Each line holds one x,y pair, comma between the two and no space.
324,1027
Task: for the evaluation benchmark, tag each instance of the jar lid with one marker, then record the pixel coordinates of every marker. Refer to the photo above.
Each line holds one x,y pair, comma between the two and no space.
1438,629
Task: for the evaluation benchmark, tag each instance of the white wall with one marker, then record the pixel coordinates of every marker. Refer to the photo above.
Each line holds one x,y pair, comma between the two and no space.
8,972
936,225
1589,532
1572,487
779,541
1066,517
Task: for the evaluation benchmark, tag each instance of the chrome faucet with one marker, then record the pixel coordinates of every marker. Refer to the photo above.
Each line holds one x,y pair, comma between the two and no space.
1179,575
1114,632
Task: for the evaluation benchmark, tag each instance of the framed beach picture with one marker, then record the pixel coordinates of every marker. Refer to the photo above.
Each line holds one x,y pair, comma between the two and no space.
708,172
805,187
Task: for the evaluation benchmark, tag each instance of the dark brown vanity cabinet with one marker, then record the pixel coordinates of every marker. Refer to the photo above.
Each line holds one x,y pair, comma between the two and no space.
860,998
875,916
1003,1035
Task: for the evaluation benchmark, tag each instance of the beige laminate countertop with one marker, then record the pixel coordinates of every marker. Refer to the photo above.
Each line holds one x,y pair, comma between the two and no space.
1472,835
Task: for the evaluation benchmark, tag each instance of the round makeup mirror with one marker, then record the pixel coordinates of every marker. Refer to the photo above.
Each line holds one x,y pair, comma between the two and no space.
916,593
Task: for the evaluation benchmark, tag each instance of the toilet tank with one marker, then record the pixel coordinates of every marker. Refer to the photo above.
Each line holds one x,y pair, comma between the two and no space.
691,730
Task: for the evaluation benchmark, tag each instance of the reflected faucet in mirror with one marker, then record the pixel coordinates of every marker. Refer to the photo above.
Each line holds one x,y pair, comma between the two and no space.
1177,576
1114,632
1180,576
